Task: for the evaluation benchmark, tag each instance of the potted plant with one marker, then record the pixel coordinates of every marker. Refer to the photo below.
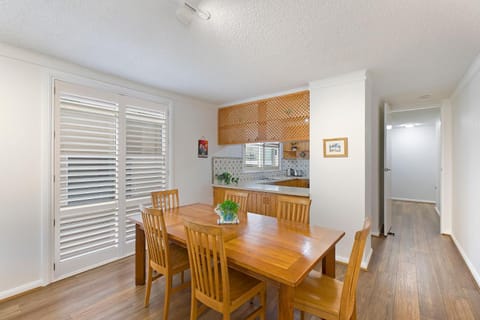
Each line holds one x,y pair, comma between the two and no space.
227,211
224,178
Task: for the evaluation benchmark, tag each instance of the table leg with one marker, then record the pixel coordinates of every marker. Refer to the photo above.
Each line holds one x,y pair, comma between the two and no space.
139,255
285,302
328,263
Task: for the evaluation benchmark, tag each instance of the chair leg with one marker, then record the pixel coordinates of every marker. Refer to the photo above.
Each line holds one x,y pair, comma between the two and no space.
302,315
168,289
193,308
354,313
149,287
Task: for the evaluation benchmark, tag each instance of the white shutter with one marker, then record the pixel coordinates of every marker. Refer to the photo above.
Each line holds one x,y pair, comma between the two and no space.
87,224
146,158
111,151
261,156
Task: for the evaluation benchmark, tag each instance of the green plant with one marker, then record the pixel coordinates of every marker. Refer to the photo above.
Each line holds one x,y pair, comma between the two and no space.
229,210
225,177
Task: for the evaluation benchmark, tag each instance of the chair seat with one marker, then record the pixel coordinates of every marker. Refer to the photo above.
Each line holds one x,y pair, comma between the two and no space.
319,293
242,287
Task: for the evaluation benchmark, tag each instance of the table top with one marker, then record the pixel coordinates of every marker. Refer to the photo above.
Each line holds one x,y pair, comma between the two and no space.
282,251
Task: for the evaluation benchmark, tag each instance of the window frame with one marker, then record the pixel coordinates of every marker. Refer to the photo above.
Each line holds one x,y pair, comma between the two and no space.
261,167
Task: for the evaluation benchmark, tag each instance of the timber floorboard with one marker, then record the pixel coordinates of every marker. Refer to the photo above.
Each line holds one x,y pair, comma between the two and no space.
416,274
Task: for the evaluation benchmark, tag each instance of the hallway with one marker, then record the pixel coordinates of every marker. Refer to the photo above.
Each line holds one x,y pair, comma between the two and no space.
418,273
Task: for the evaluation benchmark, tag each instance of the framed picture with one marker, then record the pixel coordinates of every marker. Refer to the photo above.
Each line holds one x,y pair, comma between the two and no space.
203,148
335,148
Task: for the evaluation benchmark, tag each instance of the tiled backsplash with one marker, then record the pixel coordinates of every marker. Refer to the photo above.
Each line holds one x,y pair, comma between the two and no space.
234,166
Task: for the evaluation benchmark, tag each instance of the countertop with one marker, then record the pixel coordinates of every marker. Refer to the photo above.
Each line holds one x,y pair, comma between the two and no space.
263,186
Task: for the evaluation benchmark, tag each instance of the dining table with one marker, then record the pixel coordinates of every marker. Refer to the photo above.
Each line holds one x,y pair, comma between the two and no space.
281,251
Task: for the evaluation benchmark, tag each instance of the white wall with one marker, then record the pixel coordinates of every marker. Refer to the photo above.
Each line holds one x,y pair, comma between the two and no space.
415,163
338,108
25,144
466,169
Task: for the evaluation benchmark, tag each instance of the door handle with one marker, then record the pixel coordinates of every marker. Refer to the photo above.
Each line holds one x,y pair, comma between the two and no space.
387,170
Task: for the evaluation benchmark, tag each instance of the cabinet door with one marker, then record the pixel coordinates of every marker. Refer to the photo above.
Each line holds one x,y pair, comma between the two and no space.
239,123
287,117
262,203
218,195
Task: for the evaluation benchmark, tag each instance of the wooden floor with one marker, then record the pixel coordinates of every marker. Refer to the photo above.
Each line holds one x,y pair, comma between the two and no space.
416,274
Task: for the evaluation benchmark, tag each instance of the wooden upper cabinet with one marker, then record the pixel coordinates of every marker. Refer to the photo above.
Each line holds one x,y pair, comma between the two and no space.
282,118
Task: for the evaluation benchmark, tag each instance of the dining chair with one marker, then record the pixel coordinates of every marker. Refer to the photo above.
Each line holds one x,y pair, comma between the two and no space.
296,209
240,197
213,283
328,298
166,199
166,259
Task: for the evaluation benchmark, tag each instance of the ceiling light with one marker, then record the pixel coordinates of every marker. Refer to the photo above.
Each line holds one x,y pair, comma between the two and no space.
186,11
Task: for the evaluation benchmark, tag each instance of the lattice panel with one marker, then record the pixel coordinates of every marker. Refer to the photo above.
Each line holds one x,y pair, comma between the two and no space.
291,106
238,134
238,114
282,118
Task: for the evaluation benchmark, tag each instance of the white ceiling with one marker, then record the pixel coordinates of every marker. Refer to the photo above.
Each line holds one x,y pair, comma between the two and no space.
256,47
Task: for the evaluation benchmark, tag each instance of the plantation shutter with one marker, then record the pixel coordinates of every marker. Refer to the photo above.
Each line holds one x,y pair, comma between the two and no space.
146,158
111,151
261,156
87,187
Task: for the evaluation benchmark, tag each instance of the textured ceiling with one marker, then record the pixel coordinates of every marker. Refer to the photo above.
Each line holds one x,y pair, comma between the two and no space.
255,47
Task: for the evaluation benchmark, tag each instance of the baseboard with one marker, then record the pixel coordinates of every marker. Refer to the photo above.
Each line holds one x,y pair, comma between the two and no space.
437,211
469,264
414,200
365,261
14,292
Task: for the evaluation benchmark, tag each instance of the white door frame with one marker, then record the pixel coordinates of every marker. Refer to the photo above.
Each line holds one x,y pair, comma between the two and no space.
446,181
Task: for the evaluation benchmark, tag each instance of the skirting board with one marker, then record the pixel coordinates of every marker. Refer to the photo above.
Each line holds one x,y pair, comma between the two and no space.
21,289
469,264
365,261
414,200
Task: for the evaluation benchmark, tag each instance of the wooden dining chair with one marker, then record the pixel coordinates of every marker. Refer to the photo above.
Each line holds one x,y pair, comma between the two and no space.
329,298
296,209
240,197
213,283
166,199
166,259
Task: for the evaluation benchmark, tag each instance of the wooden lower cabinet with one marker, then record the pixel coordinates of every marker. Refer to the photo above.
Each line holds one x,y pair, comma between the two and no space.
258,202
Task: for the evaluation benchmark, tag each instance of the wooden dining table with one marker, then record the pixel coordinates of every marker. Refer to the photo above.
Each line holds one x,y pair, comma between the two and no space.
284,252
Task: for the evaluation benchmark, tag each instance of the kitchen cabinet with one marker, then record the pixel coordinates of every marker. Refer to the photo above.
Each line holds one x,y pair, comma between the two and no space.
282,118
258,202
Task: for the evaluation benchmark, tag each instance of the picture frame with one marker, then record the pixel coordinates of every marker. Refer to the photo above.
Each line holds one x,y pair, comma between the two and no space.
335,147
203,148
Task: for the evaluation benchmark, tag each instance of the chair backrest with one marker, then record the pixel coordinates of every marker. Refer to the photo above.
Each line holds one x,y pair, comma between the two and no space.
166,199
157,238
208,262
295,209
240,197
347,302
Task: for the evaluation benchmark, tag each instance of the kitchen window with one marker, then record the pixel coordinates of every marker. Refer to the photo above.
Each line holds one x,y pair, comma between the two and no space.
261,156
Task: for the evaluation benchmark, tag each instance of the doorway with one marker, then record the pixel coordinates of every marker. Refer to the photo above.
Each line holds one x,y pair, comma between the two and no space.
413,153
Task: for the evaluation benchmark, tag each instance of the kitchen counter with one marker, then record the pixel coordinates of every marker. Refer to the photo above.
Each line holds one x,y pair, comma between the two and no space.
266,186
